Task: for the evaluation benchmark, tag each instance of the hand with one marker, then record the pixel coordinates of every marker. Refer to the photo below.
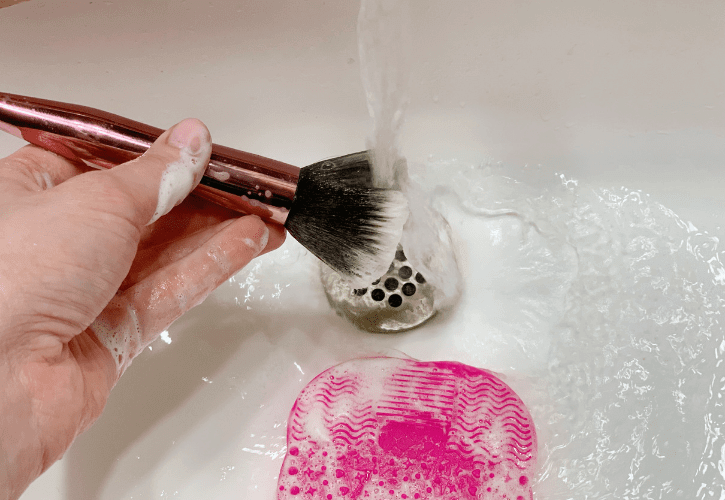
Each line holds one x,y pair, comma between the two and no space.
91,272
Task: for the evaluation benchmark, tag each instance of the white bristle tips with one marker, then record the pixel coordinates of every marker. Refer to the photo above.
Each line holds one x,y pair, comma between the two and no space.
374,263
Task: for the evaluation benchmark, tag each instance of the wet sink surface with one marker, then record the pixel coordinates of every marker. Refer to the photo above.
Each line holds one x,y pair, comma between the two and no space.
597,304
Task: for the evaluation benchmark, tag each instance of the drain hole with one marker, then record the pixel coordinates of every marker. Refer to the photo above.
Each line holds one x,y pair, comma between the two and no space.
399,255
360,291
376,281
408,289
377,294
419,278
395,300
391,284
405,272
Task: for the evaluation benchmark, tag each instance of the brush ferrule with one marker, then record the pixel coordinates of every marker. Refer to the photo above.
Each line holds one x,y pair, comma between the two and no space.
234,179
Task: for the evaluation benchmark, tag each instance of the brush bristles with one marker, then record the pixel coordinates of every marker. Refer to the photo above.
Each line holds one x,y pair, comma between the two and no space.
350,226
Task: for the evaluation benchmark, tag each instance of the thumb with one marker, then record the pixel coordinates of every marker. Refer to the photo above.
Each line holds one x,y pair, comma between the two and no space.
164,175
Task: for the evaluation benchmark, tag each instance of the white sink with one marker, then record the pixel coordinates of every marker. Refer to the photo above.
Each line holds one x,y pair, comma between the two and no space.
619,94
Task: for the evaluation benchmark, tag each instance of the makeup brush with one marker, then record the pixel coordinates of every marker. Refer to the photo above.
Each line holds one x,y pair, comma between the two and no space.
330,207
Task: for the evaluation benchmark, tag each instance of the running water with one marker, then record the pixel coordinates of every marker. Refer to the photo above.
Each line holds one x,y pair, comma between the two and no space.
384,46
383,42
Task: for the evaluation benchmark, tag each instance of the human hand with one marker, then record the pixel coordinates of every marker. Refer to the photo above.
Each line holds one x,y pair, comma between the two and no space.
90,275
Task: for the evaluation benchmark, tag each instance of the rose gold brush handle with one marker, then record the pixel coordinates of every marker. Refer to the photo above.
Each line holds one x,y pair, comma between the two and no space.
234,179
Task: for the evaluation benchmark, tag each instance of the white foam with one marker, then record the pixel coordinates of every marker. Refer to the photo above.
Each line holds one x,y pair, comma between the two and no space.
179,178
118,329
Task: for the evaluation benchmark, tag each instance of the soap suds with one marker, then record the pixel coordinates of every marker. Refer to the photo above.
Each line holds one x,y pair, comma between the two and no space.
118,329
179,178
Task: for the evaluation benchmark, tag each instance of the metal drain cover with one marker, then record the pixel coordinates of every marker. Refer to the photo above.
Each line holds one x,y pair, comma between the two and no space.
400,300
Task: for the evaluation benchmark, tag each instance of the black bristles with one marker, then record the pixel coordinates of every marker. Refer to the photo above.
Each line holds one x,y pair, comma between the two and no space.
348,224
353,170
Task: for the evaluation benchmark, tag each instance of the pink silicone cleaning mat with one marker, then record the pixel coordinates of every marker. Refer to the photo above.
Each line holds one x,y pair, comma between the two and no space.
384,428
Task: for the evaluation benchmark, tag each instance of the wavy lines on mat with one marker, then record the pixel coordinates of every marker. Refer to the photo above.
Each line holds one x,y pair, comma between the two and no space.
344,438
465,449
472,384
354,427
326,393
330,395
476,436
297,430
488,411
513,449
509,402
470,428
519,458
482,399
334,385
480,446
509,412
523,436
519,445
299,412
357,411
474,392
340,381
518,421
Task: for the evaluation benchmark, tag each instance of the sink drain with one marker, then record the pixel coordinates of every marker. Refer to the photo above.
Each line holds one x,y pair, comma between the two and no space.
399,300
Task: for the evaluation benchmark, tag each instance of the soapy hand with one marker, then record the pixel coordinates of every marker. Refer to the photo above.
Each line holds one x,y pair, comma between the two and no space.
92,270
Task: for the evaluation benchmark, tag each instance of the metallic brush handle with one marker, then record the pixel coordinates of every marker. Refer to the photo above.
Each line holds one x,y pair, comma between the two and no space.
234,179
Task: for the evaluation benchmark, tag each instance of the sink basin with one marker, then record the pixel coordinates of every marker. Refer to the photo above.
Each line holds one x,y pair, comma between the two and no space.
577,153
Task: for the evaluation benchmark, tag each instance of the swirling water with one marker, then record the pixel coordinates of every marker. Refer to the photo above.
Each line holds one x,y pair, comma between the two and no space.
628,395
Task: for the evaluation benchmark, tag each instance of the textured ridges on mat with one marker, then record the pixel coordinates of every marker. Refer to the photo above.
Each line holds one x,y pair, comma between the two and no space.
389,428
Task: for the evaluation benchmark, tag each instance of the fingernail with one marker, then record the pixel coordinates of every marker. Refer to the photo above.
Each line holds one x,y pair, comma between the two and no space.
189,134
